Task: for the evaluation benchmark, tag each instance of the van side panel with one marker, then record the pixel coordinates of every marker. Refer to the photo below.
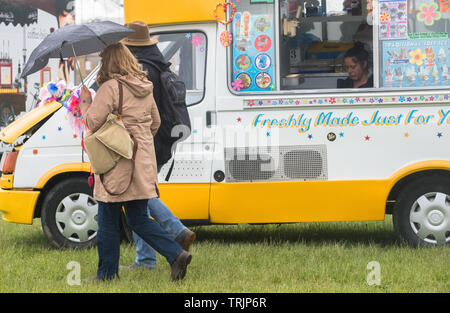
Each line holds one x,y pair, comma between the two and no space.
284,202
186,201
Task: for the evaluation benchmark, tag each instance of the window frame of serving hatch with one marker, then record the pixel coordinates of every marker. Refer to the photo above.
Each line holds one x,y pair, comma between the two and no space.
335,91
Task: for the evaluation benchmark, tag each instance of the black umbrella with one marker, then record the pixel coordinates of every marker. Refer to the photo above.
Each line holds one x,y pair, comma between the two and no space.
74,40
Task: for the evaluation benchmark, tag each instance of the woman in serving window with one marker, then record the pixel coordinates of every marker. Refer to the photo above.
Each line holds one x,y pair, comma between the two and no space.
356,62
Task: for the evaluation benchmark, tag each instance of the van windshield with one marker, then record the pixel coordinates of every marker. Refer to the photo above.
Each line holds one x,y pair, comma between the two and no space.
186,52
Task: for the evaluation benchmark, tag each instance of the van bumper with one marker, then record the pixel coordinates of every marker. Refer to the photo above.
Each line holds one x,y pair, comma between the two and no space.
18,206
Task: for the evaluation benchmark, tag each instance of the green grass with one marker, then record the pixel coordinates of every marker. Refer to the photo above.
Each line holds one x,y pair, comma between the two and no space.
310,257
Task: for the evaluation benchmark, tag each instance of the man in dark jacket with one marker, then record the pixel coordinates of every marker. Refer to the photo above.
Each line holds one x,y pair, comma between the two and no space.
153,54
144,48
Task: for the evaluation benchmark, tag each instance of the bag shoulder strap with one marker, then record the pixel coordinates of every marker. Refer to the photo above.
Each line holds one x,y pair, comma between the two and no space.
119,110
135,146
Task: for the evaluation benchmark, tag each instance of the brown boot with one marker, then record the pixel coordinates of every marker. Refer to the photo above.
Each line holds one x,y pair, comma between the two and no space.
186,239
179,267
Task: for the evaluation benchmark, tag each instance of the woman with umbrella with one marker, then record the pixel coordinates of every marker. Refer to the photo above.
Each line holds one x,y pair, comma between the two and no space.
139,115
121,71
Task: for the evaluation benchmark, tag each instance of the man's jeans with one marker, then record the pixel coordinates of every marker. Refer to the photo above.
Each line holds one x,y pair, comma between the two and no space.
145,254
108,235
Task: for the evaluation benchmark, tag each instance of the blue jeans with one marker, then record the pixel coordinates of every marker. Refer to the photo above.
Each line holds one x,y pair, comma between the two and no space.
108,235
145,254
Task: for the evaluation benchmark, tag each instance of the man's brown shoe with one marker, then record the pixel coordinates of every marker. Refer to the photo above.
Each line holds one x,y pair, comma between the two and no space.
179,267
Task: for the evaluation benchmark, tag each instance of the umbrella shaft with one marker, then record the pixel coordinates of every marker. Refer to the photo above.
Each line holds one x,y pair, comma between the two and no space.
77,65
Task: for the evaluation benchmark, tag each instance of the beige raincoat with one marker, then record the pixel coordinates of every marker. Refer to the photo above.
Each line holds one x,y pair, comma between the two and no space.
141,118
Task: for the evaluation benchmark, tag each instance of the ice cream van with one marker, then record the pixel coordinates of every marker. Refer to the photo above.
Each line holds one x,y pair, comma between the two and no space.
281,130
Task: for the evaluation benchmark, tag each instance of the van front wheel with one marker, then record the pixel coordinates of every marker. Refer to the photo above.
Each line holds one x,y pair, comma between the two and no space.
69,214
422,212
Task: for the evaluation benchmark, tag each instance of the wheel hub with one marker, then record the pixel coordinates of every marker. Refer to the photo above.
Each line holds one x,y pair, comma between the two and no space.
436,217
79,217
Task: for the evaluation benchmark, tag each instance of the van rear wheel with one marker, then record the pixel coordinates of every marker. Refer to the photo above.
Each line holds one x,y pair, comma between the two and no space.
69,214
422,212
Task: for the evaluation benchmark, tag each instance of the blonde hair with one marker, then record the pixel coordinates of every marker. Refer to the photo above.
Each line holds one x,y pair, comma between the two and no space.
118,60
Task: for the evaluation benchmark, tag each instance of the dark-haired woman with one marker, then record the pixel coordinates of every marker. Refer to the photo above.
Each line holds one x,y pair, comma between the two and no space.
356,62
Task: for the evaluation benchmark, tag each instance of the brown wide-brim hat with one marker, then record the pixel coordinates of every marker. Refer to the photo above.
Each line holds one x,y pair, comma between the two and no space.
141,36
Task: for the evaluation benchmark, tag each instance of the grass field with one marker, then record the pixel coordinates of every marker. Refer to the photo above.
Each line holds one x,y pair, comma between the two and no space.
291,258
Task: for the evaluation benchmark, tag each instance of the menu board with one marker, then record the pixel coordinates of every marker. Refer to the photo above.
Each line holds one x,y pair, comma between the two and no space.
253,52
416,63
393,19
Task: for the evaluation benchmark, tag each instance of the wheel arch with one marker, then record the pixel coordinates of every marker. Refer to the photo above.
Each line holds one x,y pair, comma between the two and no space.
52,178
411,173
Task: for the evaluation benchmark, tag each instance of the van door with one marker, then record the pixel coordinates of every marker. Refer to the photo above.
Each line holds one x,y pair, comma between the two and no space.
185,180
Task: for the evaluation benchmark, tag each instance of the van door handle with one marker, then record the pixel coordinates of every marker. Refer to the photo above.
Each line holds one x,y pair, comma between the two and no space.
209,118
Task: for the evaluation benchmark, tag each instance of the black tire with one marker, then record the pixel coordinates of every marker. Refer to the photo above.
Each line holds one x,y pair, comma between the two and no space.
69,214
421,214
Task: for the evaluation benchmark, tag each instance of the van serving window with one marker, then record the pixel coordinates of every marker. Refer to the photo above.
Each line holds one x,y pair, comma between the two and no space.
333,45
317,37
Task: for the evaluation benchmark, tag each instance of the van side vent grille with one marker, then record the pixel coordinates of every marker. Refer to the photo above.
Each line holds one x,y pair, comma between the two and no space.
283,163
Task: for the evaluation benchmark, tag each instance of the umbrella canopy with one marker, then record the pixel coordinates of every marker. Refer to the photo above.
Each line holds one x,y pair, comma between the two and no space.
15,14
74,40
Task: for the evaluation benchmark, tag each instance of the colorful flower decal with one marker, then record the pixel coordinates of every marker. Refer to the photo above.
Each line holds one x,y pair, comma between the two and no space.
237,85
417,57
384,17
226,38
197,40
428,13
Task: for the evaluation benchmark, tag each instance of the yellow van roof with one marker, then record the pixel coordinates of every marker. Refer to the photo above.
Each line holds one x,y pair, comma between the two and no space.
10,133
155,12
